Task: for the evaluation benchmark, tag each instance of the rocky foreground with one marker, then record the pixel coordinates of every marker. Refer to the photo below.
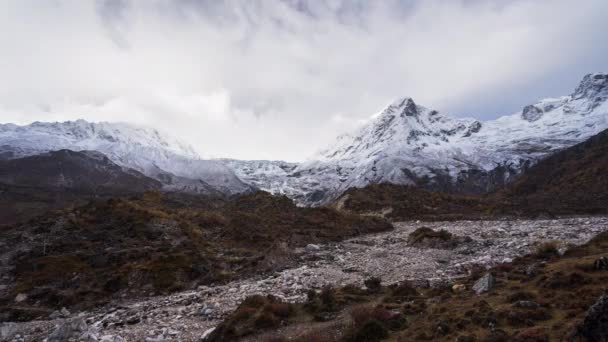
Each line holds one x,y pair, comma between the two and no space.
391,256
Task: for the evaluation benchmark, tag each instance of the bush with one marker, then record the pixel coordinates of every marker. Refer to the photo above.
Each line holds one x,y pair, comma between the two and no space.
266,321
328,296
370,331
255,301
404,289
361,314
547,250
282,310
373,284
427,233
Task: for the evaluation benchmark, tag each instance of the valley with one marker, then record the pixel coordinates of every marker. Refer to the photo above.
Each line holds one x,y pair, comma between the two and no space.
113,232
186,316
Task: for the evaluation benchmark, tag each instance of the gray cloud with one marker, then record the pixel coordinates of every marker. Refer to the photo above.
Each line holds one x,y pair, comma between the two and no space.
280,79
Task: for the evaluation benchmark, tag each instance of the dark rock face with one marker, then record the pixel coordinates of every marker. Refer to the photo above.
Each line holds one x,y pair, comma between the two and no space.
595,326
591,86
532,113
601,263
86,171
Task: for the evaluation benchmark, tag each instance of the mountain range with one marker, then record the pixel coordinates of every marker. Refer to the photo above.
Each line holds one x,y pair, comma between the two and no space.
405,143
409,144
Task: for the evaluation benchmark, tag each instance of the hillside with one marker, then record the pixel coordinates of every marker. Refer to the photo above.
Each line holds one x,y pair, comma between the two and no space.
570,182
154,244
31,185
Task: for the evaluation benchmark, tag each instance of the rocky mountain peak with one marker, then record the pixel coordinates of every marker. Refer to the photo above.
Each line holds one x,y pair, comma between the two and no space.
593,87
403,107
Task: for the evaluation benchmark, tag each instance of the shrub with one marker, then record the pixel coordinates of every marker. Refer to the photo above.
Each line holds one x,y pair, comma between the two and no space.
373,284
311,295
427,233
404,289
370,331
282,310
328,296
361,314
547,250
266,321
255,301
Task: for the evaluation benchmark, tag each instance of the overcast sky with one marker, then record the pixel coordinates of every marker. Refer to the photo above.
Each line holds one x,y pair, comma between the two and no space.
280,79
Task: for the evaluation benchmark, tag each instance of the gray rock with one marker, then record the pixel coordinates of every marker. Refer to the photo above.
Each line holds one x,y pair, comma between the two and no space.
312,247
595,325
74,329
532,113
20,297
7,331
528,304
111,338
206,311
158,338
484,284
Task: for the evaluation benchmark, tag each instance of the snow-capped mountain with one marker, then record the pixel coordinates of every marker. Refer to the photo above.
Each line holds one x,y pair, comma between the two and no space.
410,144
147,150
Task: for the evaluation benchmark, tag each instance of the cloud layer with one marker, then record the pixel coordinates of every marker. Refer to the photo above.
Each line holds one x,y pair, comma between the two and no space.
274,79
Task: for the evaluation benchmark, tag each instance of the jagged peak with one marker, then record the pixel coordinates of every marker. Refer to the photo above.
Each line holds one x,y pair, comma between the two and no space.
591,85
404,106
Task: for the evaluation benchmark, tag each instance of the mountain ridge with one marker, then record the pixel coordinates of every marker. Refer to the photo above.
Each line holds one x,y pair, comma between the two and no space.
406,143
412,145
157,155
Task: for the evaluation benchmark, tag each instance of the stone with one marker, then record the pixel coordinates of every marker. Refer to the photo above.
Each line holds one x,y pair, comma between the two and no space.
74,329
532,270
64,312
111,338
133,319
484,284
207,333
527,304
20,297
595,325
312,247
158,338
601,264
458,288
7,330
206,311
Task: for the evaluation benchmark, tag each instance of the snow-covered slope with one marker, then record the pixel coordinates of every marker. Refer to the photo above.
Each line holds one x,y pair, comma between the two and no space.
147,150
410,144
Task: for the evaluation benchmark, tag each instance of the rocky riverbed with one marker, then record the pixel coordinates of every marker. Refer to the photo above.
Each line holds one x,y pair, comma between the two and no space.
186,316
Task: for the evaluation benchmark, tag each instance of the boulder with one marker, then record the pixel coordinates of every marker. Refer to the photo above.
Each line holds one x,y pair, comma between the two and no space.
20,297
73,329
601,264
595,325
7,331
484,284
312,247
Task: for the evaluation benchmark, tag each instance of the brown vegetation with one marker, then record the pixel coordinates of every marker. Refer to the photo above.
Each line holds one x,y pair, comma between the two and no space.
157,243
548,305
570,182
